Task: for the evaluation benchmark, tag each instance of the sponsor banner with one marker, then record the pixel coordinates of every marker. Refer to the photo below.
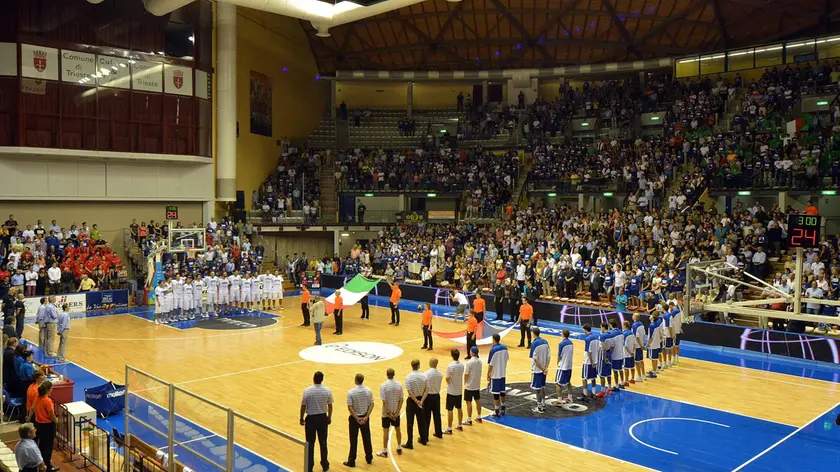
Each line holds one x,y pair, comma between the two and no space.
77,66
77,302
8,59
147,76
203,85
39,62
113,72
351,353
107,299
178,80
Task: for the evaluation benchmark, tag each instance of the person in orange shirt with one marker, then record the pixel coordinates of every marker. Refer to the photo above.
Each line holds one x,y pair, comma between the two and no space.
338,312
479,305
426,326
32,392
304,305
472,325
45,421
396,294
810,209
526,312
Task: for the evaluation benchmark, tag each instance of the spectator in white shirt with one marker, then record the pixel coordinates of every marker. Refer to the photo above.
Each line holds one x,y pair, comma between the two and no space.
54,276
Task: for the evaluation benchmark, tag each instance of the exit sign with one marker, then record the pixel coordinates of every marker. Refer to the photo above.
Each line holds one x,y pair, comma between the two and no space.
171,212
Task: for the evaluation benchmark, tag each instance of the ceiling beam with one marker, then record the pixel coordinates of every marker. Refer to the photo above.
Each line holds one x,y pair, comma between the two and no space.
625,35
507,41
518,26
443,29
721,22
520,11
555,19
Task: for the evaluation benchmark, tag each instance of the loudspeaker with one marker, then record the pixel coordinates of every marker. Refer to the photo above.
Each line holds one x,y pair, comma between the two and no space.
240,200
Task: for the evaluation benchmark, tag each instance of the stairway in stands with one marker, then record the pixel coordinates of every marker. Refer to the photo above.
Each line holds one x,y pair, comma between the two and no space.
342,133
519,189
329,196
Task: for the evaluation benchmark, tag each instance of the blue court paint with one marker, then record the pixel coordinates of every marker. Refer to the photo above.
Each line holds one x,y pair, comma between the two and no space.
815,446
669,435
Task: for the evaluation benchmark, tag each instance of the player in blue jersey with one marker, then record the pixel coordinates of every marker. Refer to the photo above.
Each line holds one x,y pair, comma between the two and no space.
617,356
639,333
604,362
540,359
565,356
496,373
591,347
667,342
654,343
629,352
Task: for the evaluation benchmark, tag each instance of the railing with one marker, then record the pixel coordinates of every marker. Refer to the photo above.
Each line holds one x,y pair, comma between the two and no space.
568,186
203,434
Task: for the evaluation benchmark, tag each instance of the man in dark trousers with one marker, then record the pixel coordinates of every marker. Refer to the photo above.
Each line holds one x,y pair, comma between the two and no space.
532,293
365,308
20,315
415,387
515,301
360,403
360,211
317,405
596,285
569,282
500,300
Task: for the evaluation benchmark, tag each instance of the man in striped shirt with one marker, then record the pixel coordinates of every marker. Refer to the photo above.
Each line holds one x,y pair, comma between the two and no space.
317,406
540,359
391,393
454,391
565,356
472,385
496,372
415,385
360,404
431,407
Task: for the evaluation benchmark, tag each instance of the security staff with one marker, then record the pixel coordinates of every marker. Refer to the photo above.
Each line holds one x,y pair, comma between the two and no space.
500,301
472,324
396,294
431,407
304,305
365,308
45,423
415,385
317,406
515,301
338,312
360,405
525,315
532,294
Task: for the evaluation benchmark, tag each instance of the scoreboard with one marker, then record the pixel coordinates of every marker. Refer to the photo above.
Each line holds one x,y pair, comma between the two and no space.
171,212
804,231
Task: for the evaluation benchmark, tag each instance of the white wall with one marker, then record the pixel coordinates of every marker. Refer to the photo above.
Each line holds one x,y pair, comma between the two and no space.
531,92
27,178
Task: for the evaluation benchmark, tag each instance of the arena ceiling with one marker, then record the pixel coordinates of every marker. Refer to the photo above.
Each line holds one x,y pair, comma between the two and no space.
510,34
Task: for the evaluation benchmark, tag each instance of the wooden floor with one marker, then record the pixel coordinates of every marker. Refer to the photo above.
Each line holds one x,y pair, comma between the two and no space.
260,374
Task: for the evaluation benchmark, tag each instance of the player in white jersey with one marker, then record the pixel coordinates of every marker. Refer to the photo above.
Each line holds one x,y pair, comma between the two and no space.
160,290
188,299
264,282
224,295
592,347
497,373
256,293
654,343
629,352
565,357
177,285
168,302
247,297
211,282
617,355
640,334
277,291
676,330
540,359
198,293
235,290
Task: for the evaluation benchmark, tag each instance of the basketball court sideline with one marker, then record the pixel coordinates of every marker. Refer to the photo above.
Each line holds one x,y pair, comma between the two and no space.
701,415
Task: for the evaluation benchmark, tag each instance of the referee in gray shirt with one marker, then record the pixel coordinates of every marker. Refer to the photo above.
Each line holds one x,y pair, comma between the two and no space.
27,454
317,405
415,385
360,404
431,407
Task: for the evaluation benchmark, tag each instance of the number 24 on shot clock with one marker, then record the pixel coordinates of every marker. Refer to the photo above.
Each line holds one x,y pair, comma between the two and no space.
171,212
804,231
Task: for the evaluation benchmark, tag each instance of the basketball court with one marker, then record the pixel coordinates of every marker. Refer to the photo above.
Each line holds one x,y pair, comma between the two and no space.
715,411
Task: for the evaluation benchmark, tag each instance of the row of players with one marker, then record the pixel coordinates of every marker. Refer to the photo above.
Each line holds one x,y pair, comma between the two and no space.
181,297
611,355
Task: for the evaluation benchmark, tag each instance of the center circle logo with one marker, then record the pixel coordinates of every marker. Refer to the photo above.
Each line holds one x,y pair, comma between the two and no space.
351,353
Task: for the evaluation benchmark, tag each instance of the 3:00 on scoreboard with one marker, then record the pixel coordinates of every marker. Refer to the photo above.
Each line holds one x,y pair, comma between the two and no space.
804,230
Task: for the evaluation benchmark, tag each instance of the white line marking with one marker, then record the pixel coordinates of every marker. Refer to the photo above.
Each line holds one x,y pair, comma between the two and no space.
391,456
193,440
555,441
746,374
630,430
256,369
784,439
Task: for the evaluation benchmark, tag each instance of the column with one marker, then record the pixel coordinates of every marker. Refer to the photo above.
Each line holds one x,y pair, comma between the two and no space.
410,98
581,202
336,241
226,102
484,86
208,210
333,101
783,200
642,80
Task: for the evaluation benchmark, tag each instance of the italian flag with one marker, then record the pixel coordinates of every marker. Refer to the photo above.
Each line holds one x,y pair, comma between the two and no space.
351,293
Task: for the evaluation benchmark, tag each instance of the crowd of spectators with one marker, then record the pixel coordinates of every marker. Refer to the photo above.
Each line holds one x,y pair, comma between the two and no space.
488,121
488,175
295,185
40,260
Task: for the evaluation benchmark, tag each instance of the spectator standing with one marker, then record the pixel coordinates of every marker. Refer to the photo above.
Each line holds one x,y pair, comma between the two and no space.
54,276
360,405
20,315
316,404
27,454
